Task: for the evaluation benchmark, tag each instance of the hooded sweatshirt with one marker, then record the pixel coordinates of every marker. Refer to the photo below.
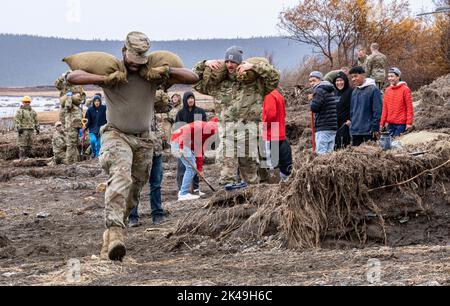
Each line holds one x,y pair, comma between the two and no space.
398,105
96,118
274,117
365,109
324,107
345,98
195,135
188,116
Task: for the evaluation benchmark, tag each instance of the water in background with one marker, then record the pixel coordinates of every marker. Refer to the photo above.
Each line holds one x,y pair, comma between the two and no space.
9,105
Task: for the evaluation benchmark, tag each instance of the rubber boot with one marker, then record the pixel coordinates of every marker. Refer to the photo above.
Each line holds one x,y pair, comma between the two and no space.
105,246
116,246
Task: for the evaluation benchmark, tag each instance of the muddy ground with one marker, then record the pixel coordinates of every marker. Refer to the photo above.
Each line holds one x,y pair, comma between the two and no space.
36,251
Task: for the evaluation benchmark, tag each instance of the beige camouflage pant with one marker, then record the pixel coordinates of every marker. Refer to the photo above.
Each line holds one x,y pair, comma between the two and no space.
238,149
25,139
127,160
72,140
59,156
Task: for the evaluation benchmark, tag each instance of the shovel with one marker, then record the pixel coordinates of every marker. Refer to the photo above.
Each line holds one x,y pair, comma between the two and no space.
200,175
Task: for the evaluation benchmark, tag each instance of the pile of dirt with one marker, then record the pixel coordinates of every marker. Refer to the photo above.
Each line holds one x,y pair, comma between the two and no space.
433,111
334,196
42,146
298,116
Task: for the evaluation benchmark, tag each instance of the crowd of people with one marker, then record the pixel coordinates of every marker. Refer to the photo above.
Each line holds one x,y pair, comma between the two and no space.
354,106
247,131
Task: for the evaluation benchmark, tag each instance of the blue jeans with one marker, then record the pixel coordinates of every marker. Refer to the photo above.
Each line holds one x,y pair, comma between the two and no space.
325,141
155,181
396,129
94,139
190,172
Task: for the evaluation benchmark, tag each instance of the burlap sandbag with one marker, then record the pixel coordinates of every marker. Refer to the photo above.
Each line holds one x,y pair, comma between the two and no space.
99,63
215,76
77,100
250,76
158,62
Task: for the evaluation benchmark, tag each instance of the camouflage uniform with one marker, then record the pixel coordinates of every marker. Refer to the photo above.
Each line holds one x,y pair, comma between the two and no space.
241,104
59,147
362,61
376,69
25,122
73,118
174,111
164,124
157,130
64,88
127,152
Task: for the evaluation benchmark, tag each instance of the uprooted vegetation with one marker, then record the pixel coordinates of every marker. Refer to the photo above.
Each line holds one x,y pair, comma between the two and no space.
327,197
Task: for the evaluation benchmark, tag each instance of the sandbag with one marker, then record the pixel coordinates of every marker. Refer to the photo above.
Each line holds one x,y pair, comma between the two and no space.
77,100
215,76
158,62
99,63
250,76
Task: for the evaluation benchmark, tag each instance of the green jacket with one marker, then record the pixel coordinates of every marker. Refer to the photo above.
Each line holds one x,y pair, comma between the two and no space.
377,65
240,101
26,119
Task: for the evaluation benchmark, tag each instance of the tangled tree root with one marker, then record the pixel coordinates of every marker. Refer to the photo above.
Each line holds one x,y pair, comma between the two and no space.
327,196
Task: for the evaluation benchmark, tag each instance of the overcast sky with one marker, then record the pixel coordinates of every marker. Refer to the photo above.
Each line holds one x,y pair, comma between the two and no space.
160,19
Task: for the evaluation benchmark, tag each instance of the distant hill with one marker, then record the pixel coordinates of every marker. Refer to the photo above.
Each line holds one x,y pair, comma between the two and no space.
35,61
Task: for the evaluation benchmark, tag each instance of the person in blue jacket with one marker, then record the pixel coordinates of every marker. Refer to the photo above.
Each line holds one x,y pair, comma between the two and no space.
365,108
96,116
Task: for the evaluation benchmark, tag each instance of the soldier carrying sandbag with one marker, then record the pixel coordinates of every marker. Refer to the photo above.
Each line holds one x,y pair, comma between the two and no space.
127,143
241,91
26,123
59,144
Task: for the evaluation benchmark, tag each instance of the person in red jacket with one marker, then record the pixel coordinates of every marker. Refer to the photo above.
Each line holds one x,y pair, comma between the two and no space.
398,113
277,146
188,143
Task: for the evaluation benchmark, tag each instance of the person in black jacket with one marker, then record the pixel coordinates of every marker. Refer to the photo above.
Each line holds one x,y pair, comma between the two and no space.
96,117
188,114
343,91
323,105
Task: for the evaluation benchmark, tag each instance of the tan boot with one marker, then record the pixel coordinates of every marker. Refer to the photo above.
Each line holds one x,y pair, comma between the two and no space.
105,246
116,248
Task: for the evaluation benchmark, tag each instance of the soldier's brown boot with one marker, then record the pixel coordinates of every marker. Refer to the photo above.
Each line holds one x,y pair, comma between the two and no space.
105,246
116,247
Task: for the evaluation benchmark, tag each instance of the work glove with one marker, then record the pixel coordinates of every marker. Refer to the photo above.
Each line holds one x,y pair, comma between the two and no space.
158,73
115,79
69,94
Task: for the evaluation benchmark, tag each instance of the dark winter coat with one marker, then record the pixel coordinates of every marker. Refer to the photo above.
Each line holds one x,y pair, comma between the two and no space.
324,107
